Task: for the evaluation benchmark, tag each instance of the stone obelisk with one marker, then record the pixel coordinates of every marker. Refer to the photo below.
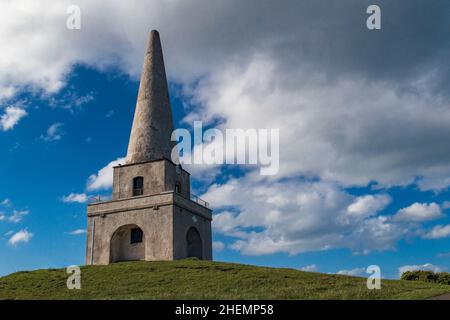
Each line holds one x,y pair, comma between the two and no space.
152,214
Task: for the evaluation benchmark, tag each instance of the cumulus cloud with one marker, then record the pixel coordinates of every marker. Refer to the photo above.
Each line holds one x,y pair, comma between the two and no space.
425,267
419,212
352,272
438,232
347,124
22,236
11,117
207,43
54,132
292,216
310,268
368,205
6,93
381,120
103,179
75,197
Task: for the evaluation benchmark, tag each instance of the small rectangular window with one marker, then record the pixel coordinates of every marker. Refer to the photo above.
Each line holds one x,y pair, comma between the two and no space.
138,186
136,235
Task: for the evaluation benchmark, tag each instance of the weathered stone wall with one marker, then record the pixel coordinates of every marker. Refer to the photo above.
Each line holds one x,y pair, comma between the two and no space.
164,219
156,225
159,176
153,173
182,177
183,219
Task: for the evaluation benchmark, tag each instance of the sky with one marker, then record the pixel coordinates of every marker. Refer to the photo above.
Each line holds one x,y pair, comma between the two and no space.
363,117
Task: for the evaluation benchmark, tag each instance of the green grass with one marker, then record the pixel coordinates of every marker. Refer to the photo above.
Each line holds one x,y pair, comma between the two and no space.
193,279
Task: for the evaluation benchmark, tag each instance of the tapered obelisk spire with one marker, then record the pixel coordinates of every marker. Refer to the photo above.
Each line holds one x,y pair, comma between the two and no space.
152,124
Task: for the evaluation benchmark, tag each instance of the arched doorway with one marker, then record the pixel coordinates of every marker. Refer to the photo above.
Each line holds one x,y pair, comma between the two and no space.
194,243
127,243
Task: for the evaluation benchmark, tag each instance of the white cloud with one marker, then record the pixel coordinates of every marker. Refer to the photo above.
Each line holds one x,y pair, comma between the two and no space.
15,216
75,197
419,212
225,222
11,117
6,202
353,272
368,205
18,216
218,246
54,132
438,232
251,79
356,154
310,268
425,267
6,93
104,177
77,232
294,216
71,100
23,236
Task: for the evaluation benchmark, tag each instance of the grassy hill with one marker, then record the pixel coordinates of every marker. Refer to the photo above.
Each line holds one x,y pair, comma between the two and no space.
193,279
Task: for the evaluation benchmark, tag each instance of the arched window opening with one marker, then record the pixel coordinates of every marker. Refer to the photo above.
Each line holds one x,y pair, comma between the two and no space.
127,243
138,186
194,243
178,187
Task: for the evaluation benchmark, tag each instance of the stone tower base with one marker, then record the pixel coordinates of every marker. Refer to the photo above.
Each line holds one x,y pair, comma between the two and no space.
173,227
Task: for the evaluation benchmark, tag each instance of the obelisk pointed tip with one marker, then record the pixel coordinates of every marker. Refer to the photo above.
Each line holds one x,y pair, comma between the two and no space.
150,137
154,37
154,43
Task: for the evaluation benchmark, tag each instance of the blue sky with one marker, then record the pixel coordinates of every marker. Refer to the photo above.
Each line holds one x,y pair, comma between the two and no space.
364,152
